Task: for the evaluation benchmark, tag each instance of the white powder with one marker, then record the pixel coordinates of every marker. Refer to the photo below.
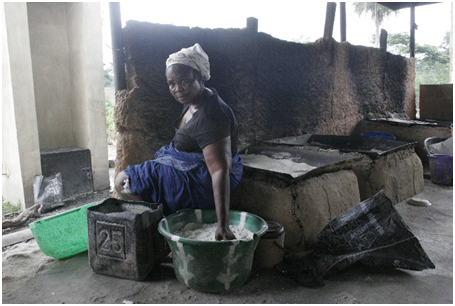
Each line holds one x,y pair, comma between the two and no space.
280,163
136,209
206,232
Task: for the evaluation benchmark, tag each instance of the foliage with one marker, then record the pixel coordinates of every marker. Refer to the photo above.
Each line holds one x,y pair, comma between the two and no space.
302,39
111,135
432,62
109,82
378,14
108,75
398,43
8,207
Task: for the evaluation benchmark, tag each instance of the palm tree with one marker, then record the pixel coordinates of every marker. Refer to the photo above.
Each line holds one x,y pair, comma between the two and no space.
378,13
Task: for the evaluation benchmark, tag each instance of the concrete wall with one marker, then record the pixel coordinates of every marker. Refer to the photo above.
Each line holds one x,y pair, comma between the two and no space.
20,146
87,82
275,88
53,92
55,59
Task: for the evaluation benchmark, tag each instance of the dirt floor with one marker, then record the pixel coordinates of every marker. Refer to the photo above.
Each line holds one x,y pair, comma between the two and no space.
29,276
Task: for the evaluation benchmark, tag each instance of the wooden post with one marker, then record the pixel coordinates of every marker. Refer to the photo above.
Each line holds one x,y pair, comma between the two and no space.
383,41
451,43
252,24
343,21
329,20
117,47
412,35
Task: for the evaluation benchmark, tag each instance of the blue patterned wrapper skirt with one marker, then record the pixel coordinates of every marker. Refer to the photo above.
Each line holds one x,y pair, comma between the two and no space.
178,179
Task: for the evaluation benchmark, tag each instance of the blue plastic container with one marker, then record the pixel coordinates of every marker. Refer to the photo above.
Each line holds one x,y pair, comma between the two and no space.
441,169
381,135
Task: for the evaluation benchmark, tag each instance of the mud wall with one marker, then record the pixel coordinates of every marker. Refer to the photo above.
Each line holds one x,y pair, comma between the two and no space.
276,88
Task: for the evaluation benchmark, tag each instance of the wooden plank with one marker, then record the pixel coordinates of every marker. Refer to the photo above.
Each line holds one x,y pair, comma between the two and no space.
329,20
343,21
436,102
412,34
383,41
252,24
117,46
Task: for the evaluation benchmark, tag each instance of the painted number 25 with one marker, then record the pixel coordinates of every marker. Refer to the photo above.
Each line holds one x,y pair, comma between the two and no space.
110,241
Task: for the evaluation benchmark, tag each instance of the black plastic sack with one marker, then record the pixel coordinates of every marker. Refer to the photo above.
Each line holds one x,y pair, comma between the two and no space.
371,233
48,191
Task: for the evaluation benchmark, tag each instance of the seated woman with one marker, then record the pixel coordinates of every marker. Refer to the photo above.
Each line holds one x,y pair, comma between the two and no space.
200,168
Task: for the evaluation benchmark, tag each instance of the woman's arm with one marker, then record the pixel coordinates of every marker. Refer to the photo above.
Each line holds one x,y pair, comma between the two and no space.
219,162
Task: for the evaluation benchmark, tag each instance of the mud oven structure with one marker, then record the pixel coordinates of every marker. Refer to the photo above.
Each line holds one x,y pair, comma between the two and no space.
311,99
305,182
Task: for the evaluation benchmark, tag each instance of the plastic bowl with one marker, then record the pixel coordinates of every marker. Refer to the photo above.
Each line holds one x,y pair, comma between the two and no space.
441,169
380,135
212,266
62,235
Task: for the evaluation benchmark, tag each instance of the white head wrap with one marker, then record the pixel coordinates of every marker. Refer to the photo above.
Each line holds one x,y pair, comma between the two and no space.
194,57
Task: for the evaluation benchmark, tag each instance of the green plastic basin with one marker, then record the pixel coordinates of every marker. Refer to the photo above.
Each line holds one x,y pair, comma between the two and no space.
62,235
211,266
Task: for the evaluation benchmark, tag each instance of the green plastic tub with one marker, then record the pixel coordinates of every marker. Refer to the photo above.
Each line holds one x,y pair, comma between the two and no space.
211,266
62,235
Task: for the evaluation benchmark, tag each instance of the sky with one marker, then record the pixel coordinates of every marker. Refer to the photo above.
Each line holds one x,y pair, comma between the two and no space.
293,20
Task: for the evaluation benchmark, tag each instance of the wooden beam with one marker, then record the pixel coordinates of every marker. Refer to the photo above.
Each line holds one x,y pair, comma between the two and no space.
252,24
383,41
329,20
401,5
343,21
117,46
412,34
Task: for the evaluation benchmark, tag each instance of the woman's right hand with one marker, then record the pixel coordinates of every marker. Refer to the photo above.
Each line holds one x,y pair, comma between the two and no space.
224,233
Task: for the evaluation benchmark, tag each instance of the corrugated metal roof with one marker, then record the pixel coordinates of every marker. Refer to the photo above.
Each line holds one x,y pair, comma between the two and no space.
400,5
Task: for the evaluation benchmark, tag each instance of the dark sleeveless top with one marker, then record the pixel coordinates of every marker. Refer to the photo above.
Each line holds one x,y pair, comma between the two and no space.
213,121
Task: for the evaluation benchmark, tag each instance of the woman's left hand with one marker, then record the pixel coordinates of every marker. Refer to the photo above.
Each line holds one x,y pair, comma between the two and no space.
224,233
